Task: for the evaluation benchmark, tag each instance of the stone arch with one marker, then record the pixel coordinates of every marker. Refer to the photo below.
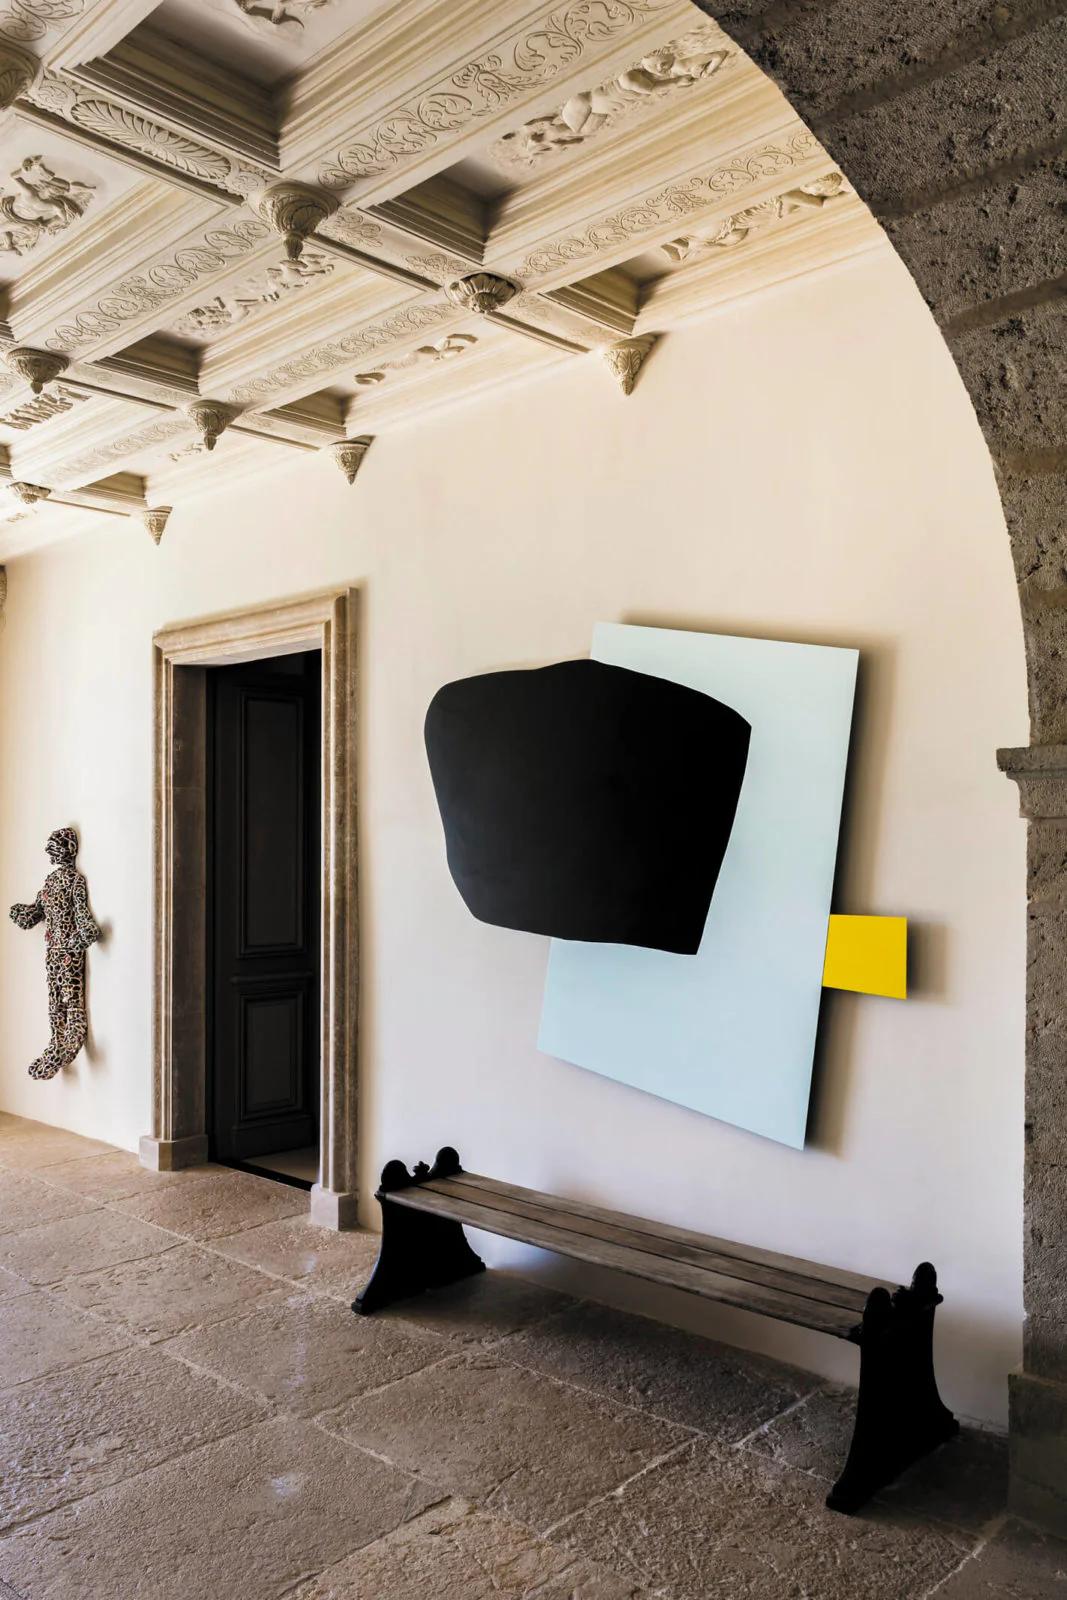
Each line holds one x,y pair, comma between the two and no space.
950,119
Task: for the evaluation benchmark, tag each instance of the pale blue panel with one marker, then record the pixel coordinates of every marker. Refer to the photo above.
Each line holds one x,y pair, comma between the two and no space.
731,1030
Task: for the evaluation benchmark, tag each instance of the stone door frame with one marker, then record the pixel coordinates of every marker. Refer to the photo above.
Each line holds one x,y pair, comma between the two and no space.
182,654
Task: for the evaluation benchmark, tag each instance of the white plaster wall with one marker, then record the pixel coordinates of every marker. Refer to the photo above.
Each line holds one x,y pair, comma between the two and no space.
804,466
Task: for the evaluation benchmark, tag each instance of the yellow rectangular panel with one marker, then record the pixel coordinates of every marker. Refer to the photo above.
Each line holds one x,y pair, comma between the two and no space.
868,955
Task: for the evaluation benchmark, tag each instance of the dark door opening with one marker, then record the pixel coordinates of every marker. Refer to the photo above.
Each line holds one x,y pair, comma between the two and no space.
263,850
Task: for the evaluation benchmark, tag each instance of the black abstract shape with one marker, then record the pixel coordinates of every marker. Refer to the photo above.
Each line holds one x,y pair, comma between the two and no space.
586,801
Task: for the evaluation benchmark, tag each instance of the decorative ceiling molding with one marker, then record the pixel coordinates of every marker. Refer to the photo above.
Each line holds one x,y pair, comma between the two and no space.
145,294
517,63
41,409
428,201
31,21
160,431
629,227
286,16
171,151
640,89
265,289
38,204
443,349
740,226
336,355
481,292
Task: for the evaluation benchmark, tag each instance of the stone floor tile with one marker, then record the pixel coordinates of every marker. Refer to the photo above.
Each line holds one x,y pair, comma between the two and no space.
722,1522
213,1206
160,1296
515,1440
1017,1564
306,1354
248,1517
479,1310
25,1201
297,1249
699,1383
965,1482
458,1550
118,1174
35,1145
72,1432
38,1335
53,1250
11,1285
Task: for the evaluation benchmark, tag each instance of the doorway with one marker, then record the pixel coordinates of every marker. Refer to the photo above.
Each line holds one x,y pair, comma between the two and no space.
185,656
262,903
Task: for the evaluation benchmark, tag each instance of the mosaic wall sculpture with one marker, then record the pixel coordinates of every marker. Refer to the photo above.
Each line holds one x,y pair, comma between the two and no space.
62,904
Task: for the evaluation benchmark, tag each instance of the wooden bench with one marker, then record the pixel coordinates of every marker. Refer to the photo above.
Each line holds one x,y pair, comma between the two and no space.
899,1414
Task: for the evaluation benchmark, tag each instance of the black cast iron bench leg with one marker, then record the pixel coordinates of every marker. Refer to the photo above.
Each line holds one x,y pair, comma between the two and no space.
418,1250
899,1414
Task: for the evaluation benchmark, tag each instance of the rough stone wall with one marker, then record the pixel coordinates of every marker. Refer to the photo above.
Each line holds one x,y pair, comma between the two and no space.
950,118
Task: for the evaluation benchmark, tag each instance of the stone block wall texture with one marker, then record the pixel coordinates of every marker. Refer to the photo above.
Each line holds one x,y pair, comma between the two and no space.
950,119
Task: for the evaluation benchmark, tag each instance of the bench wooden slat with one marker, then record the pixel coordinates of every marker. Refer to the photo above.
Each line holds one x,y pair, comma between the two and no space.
838,1277
619,1232
559,1234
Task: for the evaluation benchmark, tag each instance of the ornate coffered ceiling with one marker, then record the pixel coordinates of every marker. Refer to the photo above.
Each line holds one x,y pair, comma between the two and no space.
235,228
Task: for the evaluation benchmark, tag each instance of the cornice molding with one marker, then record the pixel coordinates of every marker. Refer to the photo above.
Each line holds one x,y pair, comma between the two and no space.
422,119
137,300
443,198
171,152
166,81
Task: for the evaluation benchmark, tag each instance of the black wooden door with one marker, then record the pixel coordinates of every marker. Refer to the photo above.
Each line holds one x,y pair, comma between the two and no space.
263,905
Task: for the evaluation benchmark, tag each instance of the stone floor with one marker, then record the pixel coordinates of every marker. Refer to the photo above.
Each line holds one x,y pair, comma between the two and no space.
189,1409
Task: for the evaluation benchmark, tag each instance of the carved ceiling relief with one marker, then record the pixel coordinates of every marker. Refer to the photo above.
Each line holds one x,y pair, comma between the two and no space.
648,83
652,212
443,189
742,225
485,84
453,344
284,17
42,408
41,204
265,289
29,21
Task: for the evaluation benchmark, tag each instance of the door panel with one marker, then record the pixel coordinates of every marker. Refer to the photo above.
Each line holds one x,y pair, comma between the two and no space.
264,906
272,739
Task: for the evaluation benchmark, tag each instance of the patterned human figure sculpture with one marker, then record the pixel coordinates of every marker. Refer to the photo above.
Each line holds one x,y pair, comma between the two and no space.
62,904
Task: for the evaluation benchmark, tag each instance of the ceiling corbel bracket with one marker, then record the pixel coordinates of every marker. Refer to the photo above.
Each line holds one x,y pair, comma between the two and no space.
295,210
210,418
349,454
626,357
27,494
155,520
481,292
38,368
20,71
